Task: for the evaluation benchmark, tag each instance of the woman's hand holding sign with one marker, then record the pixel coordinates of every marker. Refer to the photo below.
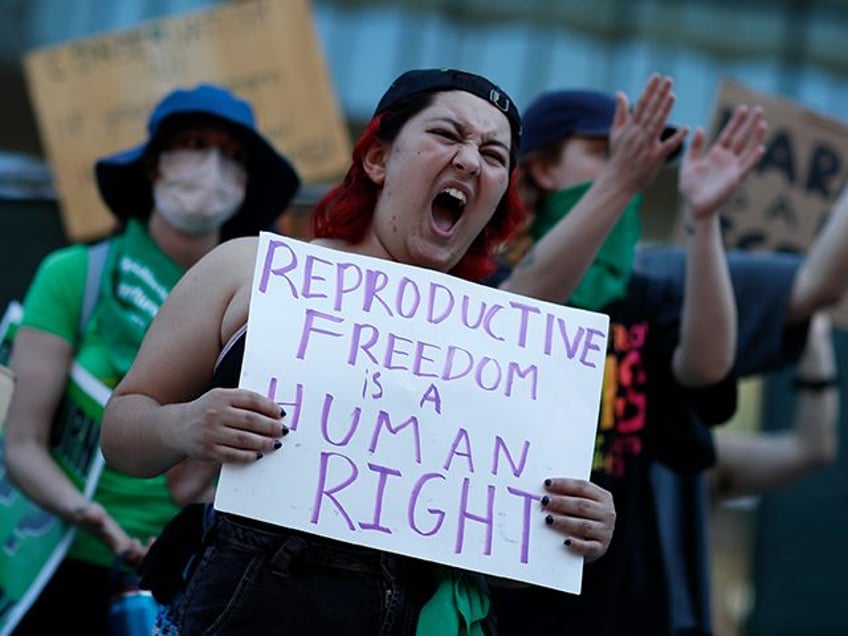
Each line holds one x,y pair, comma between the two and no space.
231,425
583,512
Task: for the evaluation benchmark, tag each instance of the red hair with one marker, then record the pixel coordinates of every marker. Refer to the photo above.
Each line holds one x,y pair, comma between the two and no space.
345,212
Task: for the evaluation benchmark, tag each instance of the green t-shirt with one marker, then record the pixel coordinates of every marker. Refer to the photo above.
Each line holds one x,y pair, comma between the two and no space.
53,305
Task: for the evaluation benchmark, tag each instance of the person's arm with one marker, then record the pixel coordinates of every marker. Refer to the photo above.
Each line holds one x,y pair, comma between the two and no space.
162,412
823,276
42,354
707,344
754,463
40,362
554,266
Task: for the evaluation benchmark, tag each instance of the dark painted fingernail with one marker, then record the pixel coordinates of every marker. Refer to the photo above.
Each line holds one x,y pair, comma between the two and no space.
567,542
546,500
282,412
277,444
549,520
259,455
284,430
548,483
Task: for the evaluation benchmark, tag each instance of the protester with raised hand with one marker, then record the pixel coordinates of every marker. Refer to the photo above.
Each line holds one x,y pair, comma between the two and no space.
776,296
662,363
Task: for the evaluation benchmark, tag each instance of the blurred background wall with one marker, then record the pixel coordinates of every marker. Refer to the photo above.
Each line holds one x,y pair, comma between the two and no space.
790,545
793,47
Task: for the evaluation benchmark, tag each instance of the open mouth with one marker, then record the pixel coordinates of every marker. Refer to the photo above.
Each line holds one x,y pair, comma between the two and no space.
447,208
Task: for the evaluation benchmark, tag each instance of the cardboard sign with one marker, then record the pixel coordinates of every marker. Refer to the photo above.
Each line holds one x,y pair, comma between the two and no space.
786,199
92,97
425,411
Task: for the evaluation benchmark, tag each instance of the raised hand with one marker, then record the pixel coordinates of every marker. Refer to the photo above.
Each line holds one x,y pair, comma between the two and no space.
583,512
637,150
707,178
231,425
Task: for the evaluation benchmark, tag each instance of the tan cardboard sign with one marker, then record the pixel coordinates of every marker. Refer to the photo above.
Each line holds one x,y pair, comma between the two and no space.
783,203
92,96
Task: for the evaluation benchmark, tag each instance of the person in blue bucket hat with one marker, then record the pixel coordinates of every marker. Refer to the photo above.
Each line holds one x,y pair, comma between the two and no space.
124,179
205,174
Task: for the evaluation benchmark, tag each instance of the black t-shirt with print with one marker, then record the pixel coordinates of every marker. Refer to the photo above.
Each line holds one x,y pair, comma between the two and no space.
645,415
762,285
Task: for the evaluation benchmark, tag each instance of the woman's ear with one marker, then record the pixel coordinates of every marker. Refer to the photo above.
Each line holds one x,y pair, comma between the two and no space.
541,173
374,161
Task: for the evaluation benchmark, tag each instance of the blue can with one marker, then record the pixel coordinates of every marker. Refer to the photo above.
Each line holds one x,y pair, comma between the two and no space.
132,613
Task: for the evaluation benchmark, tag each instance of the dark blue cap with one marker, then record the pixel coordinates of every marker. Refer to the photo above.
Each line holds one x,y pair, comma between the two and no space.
271,179
447,79
557,115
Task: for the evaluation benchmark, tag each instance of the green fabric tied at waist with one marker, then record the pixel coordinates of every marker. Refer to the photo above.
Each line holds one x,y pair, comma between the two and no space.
458,606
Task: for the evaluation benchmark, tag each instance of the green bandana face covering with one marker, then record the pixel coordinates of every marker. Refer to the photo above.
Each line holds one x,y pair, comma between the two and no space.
608,275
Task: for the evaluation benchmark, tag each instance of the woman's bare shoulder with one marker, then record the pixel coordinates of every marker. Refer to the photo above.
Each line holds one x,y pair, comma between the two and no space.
214,280
236,249
233,271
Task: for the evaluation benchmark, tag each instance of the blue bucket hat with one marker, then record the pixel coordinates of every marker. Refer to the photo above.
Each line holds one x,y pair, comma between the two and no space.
271,182
557,115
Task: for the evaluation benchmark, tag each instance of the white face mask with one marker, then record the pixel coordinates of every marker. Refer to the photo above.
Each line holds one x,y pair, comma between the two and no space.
197,191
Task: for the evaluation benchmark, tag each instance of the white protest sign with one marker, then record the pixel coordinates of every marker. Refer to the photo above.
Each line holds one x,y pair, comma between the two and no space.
425,411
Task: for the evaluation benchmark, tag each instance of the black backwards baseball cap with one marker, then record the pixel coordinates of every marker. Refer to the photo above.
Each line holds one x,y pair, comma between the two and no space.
556,115
447,79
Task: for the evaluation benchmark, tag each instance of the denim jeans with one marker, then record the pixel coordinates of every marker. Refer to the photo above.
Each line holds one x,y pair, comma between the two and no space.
254,578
